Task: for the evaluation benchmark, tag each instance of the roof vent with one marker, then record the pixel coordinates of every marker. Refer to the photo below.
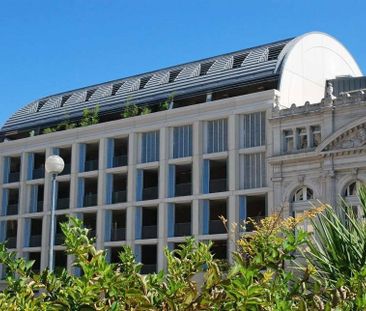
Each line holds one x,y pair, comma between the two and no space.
143,81
64,99
239,59
116,87
89,94
205,67
274,51
41,104
174,74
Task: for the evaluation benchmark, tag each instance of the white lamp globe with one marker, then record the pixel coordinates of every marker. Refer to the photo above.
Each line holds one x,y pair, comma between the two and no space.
54,164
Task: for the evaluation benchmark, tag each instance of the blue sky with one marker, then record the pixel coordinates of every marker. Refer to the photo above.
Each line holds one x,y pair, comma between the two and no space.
52,46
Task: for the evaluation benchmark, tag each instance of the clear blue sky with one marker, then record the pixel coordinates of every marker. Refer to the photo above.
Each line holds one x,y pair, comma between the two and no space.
53,46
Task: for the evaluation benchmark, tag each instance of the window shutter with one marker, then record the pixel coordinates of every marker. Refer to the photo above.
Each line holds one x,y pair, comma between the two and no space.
108,226
205,216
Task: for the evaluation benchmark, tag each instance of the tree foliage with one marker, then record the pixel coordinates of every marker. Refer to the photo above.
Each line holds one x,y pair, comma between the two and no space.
268,272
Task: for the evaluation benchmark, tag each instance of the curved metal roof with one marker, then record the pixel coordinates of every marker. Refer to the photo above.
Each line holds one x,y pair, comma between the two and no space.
242,66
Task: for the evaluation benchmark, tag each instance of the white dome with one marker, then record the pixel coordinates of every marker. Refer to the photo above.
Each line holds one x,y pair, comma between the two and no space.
307,62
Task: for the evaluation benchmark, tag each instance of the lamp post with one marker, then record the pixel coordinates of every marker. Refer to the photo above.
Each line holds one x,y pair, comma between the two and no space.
54,166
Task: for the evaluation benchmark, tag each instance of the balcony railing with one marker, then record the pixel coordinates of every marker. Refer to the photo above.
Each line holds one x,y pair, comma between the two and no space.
63,203
218,185
182,229
38,173
13,177
149,232
59,238
90,200
148,268
35,240
119,196
150,193
216,227
120,160
91,165
66,170
118,234
183,189
12,209
11,242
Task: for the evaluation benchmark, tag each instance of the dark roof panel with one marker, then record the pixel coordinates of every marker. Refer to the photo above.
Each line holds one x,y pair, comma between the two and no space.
241,66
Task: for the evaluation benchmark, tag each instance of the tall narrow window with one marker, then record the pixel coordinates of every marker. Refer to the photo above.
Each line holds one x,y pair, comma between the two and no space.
315,136
302,138
149,151
288,141
216,136
252,170
252,129
182,141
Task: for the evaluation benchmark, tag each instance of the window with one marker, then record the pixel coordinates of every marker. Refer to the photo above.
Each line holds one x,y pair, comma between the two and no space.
252,170
288,141
315,136
36,165
252,130
211,212
180,180
351,189
181,141
302,194
302,138
147,184
216,136
11,169
149,151
36,198
251,207
179,219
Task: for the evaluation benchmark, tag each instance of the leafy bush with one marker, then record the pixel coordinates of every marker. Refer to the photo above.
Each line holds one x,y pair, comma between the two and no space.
267,273
90,117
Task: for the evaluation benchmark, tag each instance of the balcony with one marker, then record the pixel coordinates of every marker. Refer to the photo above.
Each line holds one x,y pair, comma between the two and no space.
149,232
35,240
218,185
119,196
182,229
183,189
11,242
216,227
120,160
150,268
90,200
12,209
91,165
13,177
118,234
63,203
38,173
150,193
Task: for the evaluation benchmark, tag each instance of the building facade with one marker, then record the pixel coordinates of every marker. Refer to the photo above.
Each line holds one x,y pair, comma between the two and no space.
223,138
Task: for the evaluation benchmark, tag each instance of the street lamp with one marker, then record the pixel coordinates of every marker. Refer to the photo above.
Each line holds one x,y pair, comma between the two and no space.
54,166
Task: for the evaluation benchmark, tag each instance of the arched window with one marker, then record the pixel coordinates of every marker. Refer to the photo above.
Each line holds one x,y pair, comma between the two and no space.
351,189
302,194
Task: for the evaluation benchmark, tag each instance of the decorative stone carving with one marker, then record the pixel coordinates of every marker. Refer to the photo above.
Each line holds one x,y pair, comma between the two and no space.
356,139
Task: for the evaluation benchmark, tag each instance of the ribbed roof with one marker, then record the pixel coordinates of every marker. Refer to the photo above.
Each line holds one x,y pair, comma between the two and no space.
241,66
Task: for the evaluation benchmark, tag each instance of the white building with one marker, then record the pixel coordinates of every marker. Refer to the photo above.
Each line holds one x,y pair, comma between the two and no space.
231,143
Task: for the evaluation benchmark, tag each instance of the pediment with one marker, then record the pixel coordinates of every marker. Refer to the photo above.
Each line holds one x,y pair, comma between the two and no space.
350,138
